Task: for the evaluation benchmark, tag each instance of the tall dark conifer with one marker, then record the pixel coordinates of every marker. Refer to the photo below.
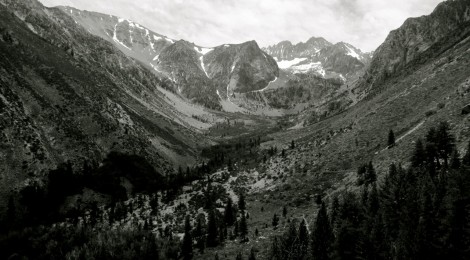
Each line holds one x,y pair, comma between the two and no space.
391,139
229,216
212,230
322,236
187,245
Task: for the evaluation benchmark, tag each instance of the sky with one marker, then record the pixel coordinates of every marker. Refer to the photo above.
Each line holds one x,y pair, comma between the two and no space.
362,23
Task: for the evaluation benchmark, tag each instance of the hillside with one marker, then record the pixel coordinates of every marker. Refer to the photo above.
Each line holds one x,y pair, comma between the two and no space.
67,95
119,142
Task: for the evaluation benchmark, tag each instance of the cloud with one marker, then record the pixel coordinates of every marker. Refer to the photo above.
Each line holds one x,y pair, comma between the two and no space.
363,23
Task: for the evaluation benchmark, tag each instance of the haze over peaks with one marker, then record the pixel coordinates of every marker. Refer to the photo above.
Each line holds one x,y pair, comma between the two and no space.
363,23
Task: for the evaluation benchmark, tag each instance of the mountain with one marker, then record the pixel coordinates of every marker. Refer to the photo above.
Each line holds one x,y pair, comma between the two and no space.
67,95
285,50
340,60
417,41
202,75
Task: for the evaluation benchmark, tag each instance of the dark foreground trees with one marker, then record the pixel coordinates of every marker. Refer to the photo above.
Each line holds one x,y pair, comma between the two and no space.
422,212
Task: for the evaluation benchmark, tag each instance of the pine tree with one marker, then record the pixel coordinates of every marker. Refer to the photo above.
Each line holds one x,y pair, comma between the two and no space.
334,213
239,256
432,155
11,213
153,202
292,145
284,211
187,246
322,236
243,227
391,139
455,163
466,158
445,142
419,154
241,203
229,217
199,235
275,221
303,240
361,174
212,230
229,165
371,175
252,255
290,243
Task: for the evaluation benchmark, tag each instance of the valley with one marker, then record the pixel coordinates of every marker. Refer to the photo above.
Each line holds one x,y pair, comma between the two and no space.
119,142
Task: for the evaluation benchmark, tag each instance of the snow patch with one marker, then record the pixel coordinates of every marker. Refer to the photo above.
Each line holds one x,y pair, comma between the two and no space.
156,57
156,38
285,64
31,27
316,66
116,39
201,59
353,53
263,89
203,50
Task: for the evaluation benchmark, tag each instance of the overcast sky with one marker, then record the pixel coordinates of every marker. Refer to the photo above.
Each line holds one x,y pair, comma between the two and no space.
363,23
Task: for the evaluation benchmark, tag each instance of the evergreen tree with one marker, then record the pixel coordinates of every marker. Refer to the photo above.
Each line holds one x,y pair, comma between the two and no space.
303,240
391,139
243,229
275,221
291,243
239,256
455,163
466,158
11,213
284,211
292,145
361,174
432,156
229,216
241,203
252,255
322,235
154,204
187,246
199,235
445,142
229,165
371,176
334,213
419,154
212,230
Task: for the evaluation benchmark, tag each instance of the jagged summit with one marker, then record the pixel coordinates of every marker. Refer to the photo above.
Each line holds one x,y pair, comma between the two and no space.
317,55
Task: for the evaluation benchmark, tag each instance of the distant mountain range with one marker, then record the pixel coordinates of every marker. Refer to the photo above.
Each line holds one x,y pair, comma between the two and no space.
317,55
207,76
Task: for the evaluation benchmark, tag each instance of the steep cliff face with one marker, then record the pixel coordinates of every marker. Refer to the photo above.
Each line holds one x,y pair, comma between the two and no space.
418,40
240,68
68,95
